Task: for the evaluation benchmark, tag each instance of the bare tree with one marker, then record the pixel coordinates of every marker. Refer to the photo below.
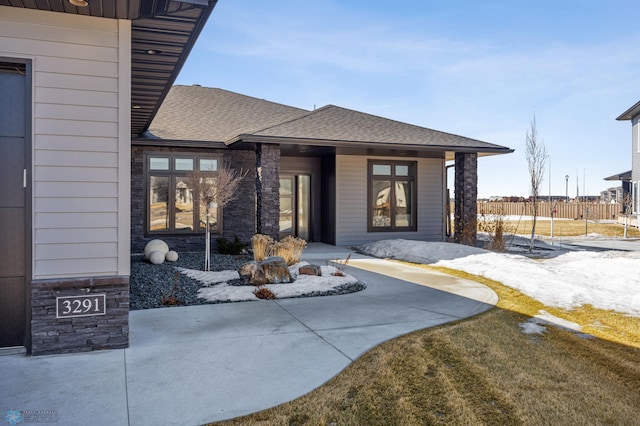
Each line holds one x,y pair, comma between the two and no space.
536,155
214,189
627,208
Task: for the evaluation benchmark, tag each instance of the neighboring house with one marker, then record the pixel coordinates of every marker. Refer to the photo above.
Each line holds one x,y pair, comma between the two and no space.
612,195
625,188
333,175
633,115
77,80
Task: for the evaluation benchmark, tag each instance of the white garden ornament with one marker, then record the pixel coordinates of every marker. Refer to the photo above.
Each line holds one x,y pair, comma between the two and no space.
156,257
171,256
156,245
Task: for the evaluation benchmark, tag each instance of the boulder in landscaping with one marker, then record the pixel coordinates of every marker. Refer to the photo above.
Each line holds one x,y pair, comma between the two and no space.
310,270
273,270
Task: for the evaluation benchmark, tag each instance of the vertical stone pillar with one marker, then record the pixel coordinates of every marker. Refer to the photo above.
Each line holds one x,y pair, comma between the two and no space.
268,190
466,195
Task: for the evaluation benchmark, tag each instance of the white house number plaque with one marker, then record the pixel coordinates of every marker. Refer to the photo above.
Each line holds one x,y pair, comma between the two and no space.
80,306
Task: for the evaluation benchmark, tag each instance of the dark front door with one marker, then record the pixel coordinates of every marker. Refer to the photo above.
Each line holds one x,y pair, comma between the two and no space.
13,207
295,206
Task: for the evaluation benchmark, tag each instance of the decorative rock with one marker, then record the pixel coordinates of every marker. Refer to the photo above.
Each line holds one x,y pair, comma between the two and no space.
171,256
276,271
273,270
155,245
253,273
310,270
156,257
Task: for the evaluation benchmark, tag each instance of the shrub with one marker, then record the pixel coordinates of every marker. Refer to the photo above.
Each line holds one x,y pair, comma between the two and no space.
234,247
495,225
263,292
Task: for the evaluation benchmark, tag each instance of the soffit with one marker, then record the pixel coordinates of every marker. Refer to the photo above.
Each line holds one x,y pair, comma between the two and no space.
162,35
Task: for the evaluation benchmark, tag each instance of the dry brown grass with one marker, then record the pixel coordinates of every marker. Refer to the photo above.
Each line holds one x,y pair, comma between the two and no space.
609,325
481,371
568,228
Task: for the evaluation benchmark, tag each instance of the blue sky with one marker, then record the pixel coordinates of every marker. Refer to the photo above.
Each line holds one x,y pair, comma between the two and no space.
477,69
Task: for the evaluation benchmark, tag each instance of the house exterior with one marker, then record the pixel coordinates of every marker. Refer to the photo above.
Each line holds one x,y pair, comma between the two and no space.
87,179
333,175
633,115
612,195
77,80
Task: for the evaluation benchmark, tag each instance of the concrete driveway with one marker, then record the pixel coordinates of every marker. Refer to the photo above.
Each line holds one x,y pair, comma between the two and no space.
192,365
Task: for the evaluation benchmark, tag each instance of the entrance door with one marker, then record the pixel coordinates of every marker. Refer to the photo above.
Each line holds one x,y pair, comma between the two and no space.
295,206
13,207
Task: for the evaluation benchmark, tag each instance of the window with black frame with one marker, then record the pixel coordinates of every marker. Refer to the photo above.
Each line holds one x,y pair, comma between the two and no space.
392,193
172,203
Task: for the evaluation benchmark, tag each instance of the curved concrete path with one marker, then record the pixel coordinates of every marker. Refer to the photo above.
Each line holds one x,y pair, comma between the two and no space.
192,365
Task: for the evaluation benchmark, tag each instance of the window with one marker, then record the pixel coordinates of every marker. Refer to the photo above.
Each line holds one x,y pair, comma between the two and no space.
392,193
172,204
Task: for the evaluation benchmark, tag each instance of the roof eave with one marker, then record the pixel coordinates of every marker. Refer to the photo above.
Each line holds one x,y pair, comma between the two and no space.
364,144
181,143
630,113
624,176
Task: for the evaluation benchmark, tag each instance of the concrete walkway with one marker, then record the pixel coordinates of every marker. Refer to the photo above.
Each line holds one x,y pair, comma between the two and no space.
192,365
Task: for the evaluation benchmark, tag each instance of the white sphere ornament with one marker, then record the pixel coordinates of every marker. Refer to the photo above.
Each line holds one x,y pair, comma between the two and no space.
155,245
156,257
171,256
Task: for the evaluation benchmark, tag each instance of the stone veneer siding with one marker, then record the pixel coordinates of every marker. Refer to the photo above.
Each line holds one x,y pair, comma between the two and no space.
466,195
51,335
238,217
268,190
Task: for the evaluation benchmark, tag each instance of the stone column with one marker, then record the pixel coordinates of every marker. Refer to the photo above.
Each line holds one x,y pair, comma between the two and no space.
268,190
466,195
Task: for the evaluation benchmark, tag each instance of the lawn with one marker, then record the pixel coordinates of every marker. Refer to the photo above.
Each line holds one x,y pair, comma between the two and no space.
564,228
485,370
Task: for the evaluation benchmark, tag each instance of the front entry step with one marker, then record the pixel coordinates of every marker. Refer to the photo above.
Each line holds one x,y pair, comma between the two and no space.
13,350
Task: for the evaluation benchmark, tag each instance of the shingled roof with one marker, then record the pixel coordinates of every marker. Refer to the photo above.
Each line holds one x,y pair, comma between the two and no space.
333,123
205,114
198,113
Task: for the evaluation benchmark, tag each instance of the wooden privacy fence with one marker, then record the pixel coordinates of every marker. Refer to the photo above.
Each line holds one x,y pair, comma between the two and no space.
590,211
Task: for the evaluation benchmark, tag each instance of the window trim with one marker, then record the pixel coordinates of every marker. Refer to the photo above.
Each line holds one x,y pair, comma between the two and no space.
412,178
173,174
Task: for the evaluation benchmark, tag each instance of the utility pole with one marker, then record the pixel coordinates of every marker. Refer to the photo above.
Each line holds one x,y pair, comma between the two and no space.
550,204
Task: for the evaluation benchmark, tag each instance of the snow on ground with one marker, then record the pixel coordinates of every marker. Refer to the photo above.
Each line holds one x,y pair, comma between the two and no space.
607,280
218,288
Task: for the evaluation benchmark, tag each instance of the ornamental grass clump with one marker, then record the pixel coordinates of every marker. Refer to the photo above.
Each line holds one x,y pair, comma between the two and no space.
283,250
261,245
297,247
289,248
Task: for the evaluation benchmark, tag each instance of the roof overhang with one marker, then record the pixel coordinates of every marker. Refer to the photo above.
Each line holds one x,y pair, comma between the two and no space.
624,176
163,33
177,143
630,113
312,147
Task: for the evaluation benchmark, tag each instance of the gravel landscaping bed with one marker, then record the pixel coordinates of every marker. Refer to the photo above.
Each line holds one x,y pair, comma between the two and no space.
157,286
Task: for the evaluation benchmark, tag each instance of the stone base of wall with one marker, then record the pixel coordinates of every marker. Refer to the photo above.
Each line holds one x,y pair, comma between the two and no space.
466,195
52,335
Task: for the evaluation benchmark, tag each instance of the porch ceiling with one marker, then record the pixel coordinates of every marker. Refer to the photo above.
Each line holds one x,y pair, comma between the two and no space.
162,35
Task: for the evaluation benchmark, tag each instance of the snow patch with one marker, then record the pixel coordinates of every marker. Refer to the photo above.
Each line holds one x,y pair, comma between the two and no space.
607,280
